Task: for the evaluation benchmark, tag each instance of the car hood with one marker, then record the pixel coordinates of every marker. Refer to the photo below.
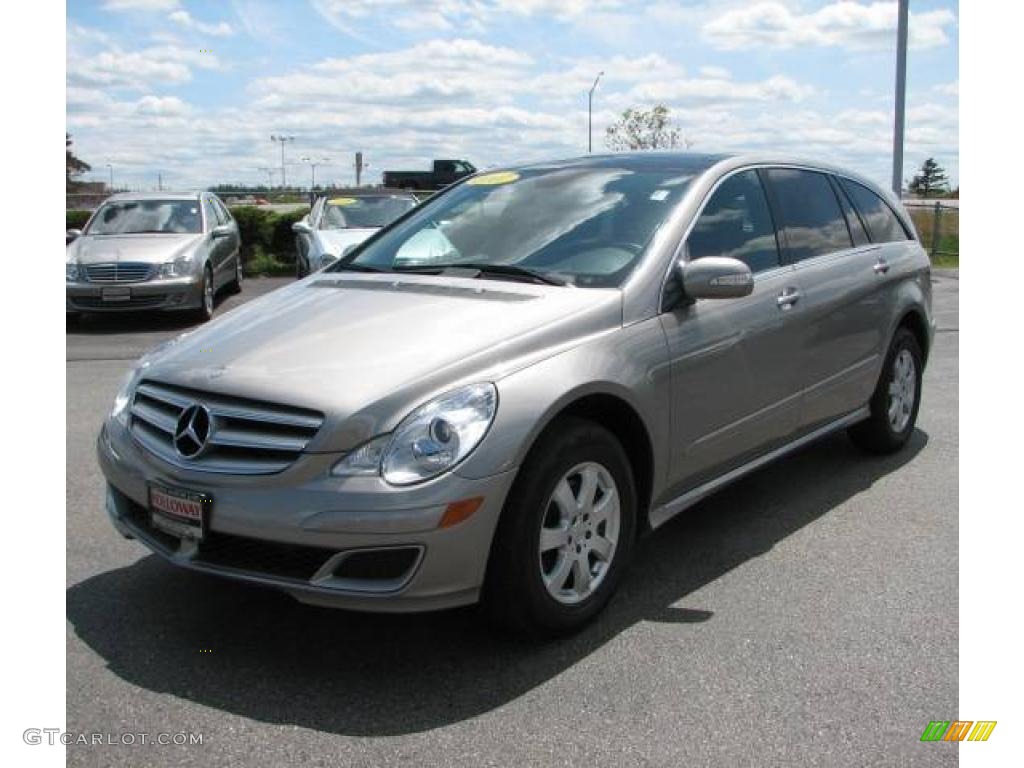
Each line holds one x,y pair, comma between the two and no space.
151,249
365,349
335,241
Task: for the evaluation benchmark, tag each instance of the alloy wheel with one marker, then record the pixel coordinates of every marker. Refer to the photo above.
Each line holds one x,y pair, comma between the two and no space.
579,533
902,390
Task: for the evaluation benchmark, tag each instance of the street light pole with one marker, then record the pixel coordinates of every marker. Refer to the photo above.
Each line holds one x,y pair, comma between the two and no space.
282,140
111,176
901,93
590,114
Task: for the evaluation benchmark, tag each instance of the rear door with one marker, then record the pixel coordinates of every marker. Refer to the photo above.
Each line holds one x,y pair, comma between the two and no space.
735,362
829,249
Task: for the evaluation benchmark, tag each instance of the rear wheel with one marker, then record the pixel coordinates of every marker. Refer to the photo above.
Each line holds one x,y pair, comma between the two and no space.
566,533
235,286
897,397
205,311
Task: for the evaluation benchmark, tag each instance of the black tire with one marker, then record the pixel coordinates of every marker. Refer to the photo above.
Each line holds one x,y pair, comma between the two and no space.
205,311
515,595
235,286
878,434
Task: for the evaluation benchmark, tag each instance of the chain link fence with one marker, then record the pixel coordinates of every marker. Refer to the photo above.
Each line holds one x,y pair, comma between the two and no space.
938,228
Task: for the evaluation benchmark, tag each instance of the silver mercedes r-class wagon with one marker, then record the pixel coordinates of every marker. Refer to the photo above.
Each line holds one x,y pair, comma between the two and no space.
491,398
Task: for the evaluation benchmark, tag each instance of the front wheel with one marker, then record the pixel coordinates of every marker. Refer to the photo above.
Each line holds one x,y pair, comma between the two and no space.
566,533
896,399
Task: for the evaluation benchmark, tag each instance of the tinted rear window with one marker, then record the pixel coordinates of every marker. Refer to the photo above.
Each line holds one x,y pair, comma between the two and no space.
809,213
883,225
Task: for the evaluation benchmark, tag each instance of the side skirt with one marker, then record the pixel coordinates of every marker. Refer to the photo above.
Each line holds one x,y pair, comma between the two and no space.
666,512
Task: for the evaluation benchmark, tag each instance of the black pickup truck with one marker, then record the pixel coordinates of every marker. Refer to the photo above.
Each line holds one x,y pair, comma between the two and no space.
444,172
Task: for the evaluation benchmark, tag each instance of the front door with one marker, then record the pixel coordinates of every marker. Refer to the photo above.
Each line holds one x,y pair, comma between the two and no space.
735,362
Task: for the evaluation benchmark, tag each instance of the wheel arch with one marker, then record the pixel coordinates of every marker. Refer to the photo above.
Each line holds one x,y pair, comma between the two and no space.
616,414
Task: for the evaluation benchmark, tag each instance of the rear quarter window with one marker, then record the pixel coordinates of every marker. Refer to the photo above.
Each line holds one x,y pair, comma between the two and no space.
882,223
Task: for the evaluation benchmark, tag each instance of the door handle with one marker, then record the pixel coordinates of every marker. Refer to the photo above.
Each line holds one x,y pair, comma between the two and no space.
881,266
787,298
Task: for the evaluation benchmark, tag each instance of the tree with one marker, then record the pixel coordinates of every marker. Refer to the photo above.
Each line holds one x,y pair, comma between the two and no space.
74,166
642,129
930,181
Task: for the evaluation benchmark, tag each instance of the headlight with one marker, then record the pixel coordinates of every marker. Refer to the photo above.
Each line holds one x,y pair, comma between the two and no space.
124,396
176,268
71,271
429,441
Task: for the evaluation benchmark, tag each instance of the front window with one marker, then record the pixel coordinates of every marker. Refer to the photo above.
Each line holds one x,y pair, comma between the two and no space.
133,217
363,212
586,226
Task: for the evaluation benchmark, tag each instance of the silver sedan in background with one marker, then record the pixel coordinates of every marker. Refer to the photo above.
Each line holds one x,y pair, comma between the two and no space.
154,251
336,224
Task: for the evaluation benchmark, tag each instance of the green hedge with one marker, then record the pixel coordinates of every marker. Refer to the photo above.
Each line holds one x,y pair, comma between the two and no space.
76,219
267,233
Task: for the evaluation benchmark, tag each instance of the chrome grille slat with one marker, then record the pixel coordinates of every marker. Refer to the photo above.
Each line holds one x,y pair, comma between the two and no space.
246,437
119,272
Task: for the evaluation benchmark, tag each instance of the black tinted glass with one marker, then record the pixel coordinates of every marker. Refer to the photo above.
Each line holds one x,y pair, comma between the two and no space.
810,214
736,223
882,224
860,236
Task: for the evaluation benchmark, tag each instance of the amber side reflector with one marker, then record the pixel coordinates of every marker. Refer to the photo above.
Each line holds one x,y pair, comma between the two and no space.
458,511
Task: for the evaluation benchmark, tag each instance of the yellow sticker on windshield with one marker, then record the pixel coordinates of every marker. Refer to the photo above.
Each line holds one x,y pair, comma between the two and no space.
493,179
342,201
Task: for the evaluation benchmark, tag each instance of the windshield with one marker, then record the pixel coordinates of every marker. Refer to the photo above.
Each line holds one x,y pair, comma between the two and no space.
585,226
363,212
128,217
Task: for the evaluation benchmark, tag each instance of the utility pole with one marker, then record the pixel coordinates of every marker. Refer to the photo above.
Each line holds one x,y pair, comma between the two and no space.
901,94
359,168
590,114
160,182
270,176
111,176
282,140
313,163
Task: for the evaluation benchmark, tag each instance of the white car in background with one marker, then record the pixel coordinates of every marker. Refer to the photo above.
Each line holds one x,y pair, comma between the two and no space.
336,224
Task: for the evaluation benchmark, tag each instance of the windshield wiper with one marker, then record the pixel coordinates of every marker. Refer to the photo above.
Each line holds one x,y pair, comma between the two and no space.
350,266
501,270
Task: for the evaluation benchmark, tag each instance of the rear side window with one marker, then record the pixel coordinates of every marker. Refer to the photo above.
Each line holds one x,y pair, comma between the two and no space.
225,215
737,223
853,221
883,225
809,213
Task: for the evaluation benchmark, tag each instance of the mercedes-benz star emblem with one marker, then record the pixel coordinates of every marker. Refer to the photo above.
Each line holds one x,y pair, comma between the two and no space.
192,431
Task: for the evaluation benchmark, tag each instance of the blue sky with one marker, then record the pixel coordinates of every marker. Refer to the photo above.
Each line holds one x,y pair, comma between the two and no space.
194,90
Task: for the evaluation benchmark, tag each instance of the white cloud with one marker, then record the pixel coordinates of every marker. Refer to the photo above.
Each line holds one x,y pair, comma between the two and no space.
845,24
140,70
185,19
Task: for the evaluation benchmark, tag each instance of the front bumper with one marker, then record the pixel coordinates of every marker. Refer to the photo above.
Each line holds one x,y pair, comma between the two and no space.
292,530
156,294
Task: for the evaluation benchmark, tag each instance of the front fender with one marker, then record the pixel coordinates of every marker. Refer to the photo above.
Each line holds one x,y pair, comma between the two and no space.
630,364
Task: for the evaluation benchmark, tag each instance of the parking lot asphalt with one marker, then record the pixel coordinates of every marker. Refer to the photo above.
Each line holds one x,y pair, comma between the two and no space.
807,615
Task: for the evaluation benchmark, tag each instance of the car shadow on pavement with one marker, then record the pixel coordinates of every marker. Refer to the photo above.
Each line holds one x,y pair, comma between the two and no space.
259,654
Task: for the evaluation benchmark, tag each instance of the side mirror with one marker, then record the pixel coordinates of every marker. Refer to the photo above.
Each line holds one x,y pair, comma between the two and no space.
72,234
221,230
716,277
302,228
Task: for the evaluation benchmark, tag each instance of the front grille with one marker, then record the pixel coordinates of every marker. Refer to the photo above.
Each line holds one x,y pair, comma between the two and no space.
241,436
119,272
133,302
